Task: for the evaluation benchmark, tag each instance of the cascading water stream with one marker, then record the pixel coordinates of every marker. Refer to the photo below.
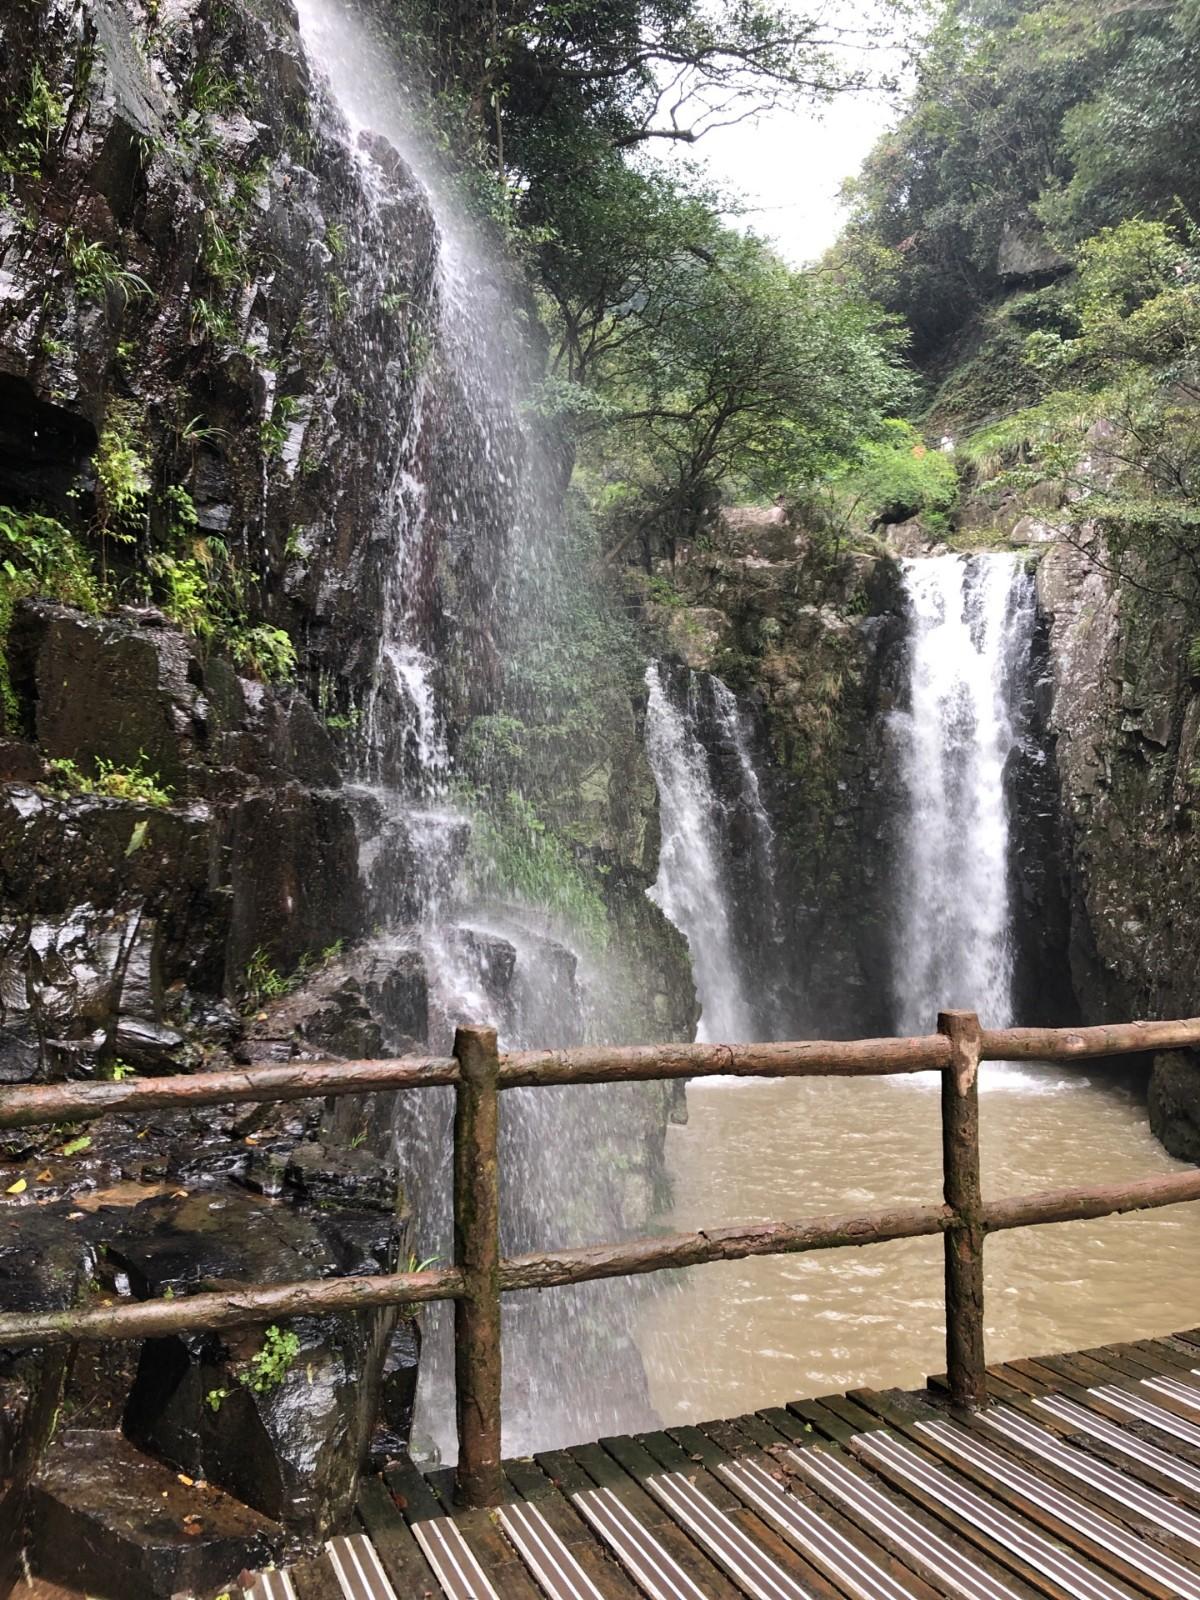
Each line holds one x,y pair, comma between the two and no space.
691,888
972,620
471,491
717,871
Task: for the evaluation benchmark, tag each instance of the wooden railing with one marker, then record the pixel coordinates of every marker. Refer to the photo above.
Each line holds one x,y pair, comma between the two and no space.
480,1276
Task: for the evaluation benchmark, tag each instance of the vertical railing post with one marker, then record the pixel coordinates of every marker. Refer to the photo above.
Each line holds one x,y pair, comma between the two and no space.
966,1364
477,1256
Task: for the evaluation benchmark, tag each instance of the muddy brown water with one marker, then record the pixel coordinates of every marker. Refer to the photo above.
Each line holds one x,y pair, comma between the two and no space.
735,1336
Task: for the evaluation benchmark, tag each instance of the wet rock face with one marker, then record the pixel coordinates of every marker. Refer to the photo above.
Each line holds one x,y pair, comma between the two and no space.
1126,716
284,1426
814,651
1174,1102
89,1503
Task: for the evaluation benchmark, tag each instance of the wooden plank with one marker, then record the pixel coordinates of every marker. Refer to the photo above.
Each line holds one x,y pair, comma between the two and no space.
824,1423
566,1523
837,1547
315,1580
852,1414
1119,1492
411,1495
358,1569
1101,1539
933,1551
1047,1564
602,1472
399,1552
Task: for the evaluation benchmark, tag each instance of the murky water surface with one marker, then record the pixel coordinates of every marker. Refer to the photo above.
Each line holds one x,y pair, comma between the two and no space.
738,1335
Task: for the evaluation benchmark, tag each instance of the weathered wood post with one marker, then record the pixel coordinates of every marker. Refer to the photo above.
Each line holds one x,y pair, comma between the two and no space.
477,1256
966,1364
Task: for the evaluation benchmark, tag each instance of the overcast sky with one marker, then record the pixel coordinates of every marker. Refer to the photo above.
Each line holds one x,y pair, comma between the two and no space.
790,165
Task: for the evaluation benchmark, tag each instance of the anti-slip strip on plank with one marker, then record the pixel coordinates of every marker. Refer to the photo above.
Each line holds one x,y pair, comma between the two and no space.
652,1567
1081,1420
750,1567
1076,1463
357,1568
1102,1530
1177,1388
827,1549
555,1570
1146,1411
927,1550
1005,1528
274,1585
453,1561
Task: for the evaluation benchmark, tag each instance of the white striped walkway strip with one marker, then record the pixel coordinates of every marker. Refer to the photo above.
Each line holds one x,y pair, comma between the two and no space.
1131,1444
1102,1530
652,1567
452,1559
828,1550
358,1569
1147,1411
1049,1558
1178,1389
730,1546
928,1551
554,1568
1088,1469
273,1585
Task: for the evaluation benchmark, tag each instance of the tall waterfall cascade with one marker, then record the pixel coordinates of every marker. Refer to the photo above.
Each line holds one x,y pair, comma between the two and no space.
972,620
469,475
717,874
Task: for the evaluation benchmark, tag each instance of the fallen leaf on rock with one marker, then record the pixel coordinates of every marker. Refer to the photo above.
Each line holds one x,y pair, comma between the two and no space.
17,1188
183,1478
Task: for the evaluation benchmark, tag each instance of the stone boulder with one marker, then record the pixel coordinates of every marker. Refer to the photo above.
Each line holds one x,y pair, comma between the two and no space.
1174,1102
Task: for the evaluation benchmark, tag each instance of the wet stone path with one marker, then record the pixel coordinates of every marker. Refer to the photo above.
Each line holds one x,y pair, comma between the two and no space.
1081,1481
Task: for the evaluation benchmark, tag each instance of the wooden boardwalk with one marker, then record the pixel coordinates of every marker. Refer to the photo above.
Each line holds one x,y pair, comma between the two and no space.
1080,1481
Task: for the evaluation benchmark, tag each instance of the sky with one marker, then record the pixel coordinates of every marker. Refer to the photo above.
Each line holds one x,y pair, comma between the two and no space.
789,166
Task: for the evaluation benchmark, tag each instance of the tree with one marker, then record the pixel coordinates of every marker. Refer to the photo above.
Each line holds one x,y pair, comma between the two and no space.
742,372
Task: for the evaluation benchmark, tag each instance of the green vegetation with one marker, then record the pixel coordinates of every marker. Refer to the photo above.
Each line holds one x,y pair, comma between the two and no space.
117,783
271,1365
97,273
262,980
514,856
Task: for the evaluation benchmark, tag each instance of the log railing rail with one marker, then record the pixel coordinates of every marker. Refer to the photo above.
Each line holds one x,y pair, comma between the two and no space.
480,1276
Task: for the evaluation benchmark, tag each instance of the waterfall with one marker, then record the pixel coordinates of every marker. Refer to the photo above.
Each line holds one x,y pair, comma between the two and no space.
972,621
473,503
717,863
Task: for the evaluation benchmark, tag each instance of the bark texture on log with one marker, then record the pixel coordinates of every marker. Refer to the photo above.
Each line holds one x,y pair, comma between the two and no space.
544,1270
1101,1200
479,1479
805,1058
228,1308
1074,1044
30,1105
966,1364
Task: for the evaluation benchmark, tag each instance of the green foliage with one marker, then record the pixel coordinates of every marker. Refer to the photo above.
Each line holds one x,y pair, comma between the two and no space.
38,555
899,477
134,784
97,272
515,855
271,1365
1028,115
264,650
41,114
122,477
262,980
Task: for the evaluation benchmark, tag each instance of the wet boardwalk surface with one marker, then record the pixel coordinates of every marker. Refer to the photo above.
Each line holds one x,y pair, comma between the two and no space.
1081,1481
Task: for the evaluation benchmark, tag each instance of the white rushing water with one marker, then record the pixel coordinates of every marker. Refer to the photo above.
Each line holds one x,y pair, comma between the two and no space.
691,888
972,619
